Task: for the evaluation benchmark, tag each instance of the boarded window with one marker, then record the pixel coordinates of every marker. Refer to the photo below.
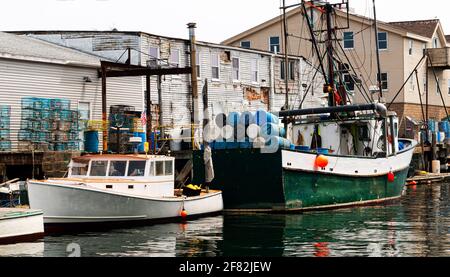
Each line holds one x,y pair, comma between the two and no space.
175,57
236,65
215,66
255,70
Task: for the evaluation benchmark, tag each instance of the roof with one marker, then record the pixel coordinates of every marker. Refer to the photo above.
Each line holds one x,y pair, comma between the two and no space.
425,28
32,49
118,156
392,27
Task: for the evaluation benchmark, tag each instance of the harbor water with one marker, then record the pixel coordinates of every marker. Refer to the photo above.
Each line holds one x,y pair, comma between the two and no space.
416,226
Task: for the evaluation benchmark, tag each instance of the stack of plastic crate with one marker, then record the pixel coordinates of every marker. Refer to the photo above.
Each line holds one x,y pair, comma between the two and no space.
48,124
5,119
121,128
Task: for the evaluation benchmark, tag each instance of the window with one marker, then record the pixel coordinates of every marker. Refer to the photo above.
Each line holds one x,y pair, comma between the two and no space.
349,82
382,40
292,70
117,168
384,80
424,48
437,86
282,70
168,168
349,42
411,43
159,168
197,61
215,66
235,62
85,110
412,83
448,86
136,168
246,44
175,57
435,43
255,70
154,53
80,168
98,168
152,169
274,44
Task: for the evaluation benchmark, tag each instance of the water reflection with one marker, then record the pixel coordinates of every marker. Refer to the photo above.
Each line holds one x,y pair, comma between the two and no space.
419,225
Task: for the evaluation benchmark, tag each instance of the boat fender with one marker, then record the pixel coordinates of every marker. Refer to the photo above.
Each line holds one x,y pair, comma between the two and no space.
183,213
321,161
391,177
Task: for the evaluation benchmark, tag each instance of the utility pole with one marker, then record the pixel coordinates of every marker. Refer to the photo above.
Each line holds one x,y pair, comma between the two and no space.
286,64
195,101
375,25
330,30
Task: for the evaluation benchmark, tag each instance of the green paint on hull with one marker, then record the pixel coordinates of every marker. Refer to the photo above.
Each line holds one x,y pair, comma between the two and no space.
256,181
307,189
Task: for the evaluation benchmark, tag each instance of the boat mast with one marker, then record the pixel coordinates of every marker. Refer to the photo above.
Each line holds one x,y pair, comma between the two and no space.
286,63
375,25
330,30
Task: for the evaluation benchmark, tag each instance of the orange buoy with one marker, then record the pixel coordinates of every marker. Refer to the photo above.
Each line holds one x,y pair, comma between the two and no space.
391,177
321,161
183,213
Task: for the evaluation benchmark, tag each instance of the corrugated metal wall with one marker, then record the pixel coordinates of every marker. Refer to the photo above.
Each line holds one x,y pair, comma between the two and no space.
20,79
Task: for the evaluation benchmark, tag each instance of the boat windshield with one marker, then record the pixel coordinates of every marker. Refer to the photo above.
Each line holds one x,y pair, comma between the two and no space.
117,168
136,168
80,168
98,168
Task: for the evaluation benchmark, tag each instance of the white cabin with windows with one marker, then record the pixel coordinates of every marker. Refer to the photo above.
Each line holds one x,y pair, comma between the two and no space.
131,174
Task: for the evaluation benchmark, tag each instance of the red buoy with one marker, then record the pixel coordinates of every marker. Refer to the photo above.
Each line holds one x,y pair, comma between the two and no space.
321,161
183,214
391,177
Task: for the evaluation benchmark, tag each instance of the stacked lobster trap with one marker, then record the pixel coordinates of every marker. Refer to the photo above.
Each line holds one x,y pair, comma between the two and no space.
49,125
5,130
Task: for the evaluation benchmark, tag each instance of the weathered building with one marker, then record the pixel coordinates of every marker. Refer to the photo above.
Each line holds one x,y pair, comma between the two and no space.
31,67
401,46
238,79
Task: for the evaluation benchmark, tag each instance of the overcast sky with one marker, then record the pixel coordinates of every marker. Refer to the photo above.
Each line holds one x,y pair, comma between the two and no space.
216,19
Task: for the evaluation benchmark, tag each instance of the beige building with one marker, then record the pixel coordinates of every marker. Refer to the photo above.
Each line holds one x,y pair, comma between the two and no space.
401,44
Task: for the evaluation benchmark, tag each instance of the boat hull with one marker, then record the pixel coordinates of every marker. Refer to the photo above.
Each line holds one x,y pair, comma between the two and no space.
288,181
66,204
18,225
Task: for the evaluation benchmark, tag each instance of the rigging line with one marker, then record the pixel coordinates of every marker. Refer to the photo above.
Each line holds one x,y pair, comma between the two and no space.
354,71
313,38
126,50
407,80
437,83
420,97
362,89
310,85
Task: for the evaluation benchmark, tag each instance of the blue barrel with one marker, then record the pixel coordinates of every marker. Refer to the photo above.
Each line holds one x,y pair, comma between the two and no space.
247,118
91,141
303,148
432,126
272,129
278,142
143,136
323,151
444,126
233,119
220,145
232,145
262,117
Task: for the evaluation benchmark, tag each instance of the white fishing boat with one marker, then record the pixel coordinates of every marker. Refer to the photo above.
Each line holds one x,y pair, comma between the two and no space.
20,225
118,188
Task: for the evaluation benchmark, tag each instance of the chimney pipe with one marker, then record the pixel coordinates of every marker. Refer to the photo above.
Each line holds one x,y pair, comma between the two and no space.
195,116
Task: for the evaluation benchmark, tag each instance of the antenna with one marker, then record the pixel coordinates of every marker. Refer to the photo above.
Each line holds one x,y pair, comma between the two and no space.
380,87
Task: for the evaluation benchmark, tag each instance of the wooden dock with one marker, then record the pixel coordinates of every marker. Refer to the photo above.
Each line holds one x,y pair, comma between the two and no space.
428,178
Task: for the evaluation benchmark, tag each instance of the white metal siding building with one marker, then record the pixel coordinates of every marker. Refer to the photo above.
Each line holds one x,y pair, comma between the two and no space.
33,68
